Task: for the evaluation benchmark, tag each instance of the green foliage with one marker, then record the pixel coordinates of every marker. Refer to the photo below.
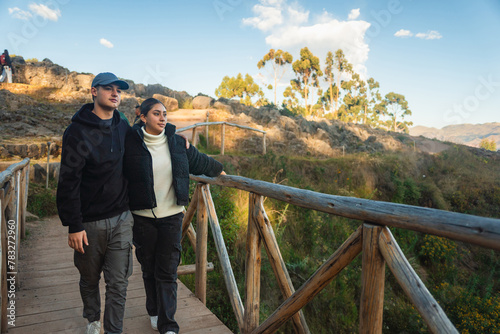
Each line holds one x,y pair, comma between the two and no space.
32,60
396,108
308,70
187,104
244,88
279,59
464,279
41,201
488,144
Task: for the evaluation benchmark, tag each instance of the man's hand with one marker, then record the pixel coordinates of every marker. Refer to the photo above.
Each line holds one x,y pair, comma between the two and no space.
187,141
76,241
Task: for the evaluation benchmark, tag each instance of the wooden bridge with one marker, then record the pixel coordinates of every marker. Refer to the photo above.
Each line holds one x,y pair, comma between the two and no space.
373,239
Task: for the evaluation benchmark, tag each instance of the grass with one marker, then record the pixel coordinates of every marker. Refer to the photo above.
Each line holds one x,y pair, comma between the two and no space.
456,180
42,201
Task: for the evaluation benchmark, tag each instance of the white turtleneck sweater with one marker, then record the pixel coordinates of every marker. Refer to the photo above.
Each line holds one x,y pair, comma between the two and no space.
162,175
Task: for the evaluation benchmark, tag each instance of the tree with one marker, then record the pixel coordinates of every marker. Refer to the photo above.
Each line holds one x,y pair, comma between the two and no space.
308,71
488,144
395,107
354,101
329,78
342,66
244,88
279,59
373,108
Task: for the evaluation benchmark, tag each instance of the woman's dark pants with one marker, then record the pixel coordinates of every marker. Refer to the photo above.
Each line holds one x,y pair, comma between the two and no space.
158,249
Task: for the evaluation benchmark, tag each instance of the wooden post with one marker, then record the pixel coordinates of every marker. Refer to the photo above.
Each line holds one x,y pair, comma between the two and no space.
426,305
188,216
26,171
252,269
193,137
3,262
206,127
231,286
324,275
17,217
276,260
223,134
264,144
48,165
372,282
201,250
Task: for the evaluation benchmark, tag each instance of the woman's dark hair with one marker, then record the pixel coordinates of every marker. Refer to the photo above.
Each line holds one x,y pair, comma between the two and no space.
148,104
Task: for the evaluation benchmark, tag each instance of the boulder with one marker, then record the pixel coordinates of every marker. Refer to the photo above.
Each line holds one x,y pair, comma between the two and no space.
223,106
202,102
170,103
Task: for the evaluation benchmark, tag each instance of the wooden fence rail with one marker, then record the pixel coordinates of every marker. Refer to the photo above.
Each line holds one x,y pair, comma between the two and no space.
373,239
223,132
14,183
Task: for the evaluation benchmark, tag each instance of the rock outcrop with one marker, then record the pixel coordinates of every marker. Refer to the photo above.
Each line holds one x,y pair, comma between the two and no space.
202,102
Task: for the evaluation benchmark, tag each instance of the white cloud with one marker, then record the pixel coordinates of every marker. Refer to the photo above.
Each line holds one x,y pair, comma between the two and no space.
354,14
45,12
295,30
267,17
431,34
19,14
106,43
403,33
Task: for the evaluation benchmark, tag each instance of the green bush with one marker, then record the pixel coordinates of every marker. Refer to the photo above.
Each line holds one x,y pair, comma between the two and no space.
41,201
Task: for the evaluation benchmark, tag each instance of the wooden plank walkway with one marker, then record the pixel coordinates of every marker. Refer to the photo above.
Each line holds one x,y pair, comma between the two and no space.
49,301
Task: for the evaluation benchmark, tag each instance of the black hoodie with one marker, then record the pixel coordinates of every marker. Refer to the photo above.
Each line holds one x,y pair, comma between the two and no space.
91,183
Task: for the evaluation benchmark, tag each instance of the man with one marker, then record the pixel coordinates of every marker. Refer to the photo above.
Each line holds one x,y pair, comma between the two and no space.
137,114
6,68
92,201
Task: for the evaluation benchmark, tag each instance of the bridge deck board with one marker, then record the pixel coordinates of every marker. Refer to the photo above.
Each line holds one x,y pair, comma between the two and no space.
49,301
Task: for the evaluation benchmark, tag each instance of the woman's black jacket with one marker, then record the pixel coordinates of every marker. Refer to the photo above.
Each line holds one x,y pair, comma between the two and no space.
138,167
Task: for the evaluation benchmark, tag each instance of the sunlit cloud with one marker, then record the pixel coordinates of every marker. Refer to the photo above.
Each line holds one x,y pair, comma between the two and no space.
354,14
293,28
403,33
106,43
19,14
431,34
45,12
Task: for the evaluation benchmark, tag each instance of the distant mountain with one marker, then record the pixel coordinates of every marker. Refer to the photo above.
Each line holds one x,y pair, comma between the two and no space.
467,134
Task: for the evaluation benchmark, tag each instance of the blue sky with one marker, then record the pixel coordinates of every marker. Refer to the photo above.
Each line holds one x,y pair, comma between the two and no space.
443,56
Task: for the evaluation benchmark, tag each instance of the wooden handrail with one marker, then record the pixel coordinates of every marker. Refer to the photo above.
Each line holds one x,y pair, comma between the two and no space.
372,238
476,230
14,182
223,131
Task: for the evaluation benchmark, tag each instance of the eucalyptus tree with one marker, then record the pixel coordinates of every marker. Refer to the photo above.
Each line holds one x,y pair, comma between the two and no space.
329,78
308,70
396,109
342,66
279,59
354,101
373,108
244,88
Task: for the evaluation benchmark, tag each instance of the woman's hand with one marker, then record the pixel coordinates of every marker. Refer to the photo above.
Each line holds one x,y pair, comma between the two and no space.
222,173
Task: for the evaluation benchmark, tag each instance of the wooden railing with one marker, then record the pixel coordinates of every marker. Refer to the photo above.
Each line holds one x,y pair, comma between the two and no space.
14,183
372,238
223,133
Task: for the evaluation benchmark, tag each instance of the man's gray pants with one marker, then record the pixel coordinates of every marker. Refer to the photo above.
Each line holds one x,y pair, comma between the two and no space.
109,251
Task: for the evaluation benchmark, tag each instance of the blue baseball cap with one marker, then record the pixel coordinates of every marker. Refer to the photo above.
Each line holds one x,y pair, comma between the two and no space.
107,78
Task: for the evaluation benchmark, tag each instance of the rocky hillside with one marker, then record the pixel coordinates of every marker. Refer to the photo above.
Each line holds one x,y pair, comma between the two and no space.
39,105
467,134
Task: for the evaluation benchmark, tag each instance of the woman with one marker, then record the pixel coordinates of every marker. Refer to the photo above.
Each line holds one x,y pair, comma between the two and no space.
157,165
6,67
